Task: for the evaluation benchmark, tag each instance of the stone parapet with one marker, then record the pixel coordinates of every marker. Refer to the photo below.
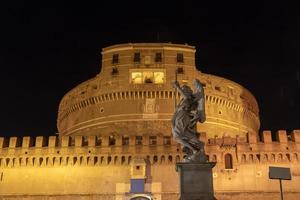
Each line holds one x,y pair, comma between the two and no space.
93,150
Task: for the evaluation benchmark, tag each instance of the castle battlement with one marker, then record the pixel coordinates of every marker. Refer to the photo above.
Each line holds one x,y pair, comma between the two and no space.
282,137
93,150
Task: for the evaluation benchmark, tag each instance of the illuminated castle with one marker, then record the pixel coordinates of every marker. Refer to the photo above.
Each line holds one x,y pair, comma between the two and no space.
115,136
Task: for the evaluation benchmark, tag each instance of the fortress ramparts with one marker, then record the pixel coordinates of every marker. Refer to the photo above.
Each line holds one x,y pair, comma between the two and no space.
92,150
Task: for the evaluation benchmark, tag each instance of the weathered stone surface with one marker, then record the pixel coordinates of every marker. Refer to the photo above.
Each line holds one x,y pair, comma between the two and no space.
196,181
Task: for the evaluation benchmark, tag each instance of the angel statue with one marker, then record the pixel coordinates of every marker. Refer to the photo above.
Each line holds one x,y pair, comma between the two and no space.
189,111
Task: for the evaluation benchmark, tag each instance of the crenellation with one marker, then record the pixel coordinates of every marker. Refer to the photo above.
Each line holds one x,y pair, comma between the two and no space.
14,142
27,142
91,141
66,141
78,141
40,141
266,137
52,141
296,136
4,142
118,145
281,136
252,138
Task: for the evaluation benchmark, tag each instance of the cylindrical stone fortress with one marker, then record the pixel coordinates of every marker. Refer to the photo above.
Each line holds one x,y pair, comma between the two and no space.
133,95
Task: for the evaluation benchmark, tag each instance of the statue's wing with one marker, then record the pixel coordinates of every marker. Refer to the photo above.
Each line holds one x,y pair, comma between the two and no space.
200,98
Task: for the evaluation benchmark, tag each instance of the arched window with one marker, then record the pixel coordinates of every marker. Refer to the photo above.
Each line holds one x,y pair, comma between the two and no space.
155,159
228,161
95,160
7,161
74,160
123,159
257,158
116,160
108,159
170,159
80,160
14,162
40,161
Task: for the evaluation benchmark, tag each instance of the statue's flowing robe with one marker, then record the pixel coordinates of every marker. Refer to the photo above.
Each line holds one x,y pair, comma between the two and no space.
182,130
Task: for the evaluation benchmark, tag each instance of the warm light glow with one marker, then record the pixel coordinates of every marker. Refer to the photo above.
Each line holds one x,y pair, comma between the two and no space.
136,77
148,76
159,77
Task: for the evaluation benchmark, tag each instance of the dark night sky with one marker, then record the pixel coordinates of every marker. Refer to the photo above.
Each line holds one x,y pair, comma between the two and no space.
47,49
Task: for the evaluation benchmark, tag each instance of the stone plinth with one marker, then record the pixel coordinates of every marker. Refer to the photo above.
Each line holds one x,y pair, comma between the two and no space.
196,181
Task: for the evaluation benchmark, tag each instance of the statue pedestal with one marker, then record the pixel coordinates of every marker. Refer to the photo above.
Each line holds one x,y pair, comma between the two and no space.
196,181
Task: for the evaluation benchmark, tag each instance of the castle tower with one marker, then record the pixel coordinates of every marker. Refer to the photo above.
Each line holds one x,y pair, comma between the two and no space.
133,95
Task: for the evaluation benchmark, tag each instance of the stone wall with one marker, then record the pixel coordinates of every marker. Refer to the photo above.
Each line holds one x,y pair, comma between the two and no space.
76,166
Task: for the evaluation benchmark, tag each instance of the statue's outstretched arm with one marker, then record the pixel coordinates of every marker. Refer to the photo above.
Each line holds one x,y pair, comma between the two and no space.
178,88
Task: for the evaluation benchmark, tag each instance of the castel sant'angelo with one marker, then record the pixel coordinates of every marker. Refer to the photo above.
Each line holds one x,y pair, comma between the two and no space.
115,136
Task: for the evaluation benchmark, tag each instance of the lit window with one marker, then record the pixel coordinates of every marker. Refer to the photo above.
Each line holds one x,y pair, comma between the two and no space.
148,77
159,77
136,77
